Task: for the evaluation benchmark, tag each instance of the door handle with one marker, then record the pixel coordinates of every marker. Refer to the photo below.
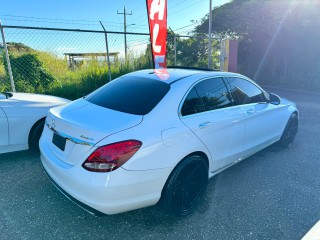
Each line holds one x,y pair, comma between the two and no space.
205,124
251,110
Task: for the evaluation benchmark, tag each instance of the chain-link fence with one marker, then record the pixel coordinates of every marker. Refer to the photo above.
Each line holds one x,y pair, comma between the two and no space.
71,63
192,51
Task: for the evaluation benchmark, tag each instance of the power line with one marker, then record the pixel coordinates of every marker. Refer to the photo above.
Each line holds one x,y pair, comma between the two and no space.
144,19
186,7
177,29
43,21
136,26
125,28
176,5
143,15
138,6
178,10
184,33
55,19
91,22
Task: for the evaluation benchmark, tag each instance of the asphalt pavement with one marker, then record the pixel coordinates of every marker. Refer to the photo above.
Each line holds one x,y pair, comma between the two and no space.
274,194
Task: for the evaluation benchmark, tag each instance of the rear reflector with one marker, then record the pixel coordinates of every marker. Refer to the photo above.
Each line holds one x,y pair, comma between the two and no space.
110,157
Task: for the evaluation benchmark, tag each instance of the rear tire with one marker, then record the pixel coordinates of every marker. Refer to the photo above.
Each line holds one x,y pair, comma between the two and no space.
289,132
186,186
35,135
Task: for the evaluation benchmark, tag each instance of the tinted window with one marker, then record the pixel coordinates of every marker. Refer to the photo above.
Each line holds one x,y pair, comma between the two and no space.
245,92
207,95
214,94
130,95
192,104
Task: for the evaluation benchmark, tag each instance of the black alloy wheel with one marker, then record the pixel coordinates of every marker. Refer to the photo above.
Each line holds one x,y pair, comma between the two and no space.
186,186
289,132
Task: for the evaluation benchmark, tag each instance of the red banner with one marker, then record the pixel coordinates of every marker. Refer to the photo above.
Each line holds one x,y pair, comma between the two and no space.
157,15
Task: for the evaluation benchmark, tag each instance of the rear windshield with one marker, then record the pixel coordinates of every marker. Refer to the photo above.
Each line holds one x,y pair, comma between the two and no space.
134,95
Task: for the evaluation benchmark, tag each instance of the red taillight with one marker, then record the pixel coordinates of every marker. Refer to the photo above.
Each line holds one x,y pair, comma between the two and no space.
110,157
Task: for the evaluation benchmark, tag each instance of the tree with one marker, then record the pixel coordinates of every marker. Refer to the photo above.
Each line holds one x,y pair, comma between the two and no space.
278,41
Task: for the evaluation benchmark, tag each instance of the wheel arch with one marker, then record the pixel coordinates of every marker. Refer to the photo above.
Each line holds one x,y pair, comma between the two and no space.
37,123
295,111
196,153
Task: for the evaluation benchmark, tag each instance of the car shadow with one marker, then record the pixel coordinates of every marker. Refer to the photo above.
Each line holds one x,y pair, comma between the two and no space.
19,155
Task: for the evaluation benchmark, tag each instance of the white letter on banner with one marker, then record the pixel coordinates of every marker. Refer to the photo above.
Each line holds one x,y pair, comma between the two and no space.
157,6
156,47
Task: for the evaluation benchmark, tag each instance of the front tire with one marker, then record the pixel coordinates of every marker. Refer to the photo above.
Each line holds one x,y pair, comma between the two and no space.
289,132
186,186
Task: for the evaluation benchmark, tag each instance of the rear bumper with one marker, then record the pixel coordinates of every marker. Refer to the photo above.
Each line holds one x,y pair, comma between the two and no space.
80,204
108,193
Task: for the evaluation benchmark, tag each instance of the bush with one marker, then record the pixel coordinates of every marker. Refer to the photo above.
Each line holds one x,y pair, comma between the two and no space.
29,73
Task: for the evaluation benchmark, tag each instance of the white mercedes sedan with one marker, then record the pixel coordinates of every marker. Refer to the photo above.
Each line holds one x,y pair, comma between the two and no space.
22,119
139,140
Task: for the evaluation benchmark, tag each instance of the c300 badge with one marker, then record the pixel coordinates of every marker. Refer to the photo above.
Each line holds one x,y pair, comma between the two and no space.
87,138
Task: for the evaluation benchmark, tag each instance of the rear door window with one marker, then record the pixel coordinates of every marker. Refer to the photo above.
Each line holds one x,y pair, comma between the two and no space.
192,104
214,94
134,95
207,95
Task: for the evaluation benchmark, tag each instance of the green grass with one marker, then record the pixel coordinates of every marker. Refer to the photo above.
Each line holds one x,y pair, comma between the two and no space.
85,80
67,83
4,82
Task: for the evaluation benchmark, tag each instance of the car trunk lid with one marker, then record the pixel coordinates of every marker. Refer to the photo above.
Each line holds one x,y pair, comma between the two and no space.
73,130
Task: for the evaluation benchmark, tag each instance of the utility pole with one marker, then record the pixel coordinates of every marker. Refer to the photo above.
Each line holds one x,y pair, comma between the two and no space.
125,29
209,34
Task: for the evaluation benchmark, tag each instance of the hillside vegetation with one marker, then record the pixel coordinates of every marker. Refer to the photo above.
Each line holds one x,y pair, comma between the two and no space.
278,40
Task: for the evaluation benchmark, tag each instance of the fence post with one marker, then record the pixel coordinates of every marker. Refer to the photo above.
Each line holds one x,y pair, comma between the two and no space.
210,52
7,58
107,48
175,49
209,34
222,53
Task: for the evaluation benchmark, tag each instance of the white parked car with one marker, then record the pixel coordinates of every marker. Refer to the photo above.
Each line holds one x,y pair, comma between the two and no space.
139,139
22,119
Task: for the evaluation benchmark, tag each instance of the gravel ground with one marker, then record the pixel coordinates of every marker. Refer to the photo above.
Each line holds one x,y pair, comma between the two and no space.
274,194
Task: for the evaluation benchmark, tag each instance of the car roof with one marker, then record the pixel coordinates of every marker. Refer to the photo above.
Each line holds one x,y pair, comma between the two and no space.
176,74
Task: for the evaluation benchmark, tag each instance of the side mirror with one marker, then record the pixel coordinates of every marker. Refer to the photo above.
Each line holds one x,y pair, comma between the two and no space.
274,99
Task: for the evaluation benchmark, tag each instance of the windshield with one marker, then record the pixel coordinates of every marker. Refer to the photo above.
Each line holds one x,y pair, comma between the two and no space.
134,95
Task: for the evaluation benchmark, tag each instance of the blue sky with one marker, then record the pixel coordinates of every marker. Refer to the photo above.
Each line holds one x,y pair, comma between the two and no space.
85,14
